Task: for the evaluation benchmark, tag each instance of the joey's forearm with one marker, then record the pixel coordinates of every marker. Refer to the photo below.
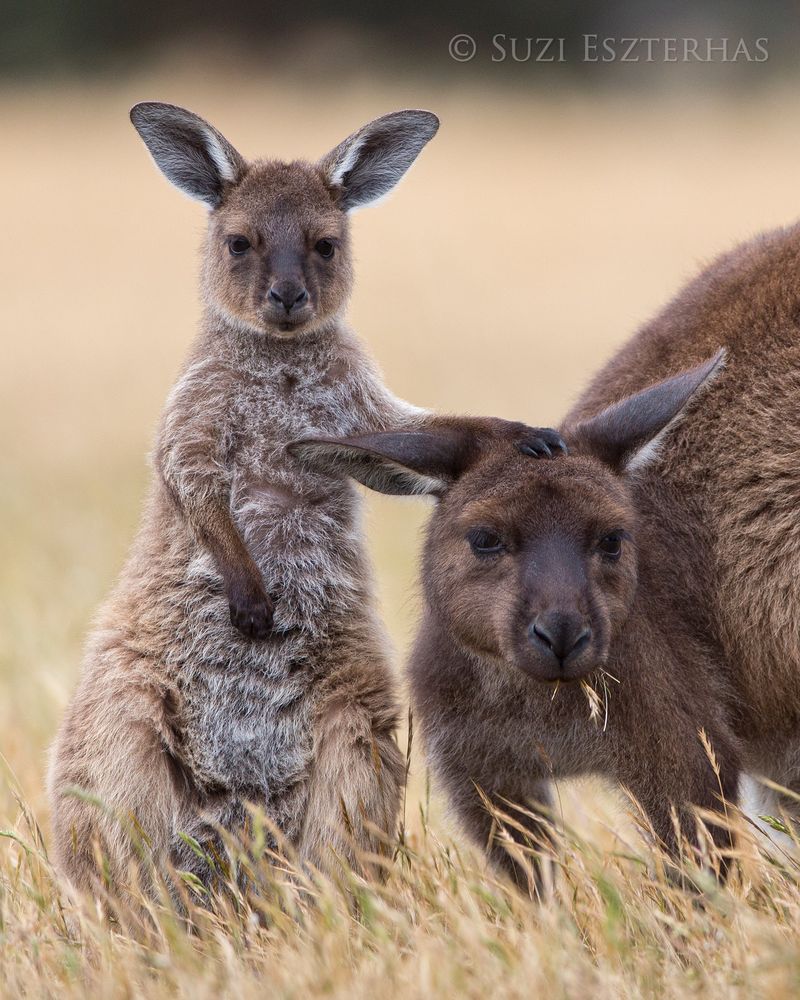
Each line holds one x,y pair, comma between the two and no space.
200,489
483,431
249,603
382,410
210,520
393,413
214,527
486,427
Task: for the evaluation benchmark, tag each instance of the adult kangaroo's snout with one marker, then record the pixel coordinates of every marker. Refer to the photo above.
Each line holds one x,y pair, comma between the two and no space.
289,295
559,637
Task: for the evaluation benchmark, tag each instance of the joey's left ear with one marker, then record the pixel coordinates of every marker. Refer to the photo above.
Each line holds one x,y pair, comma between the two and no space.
397,462
369,163
625,435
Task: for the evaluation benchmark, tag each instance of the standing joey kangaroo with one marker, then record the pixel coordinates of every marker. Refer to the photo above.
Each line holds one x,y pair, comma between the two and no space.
240,657
541,574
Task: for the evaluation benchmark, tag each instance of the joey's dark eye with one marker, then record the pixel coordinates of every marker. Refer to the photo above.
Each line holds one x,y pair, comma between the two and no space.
238,245
484,541
611,545
325,249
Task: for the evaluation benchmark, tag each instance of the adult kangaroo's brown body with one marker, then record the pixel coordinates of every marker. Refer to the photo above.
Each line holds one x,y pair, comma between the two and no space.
663,551
240,657
738,458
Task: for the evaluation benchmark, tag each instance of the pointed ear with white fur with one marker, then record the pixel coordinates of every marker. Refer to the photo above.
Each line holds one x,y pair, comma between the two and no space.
369,163
190,153
626,434
403,463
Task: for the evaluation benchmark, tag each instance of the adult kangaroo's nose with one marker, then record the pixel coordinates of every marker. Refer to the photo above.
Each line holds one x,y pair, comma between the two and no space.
562,634
289,294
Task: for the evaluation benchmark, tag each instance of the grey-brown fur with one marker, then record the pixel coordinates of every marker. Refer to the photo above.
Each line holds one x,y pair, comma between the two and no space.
240,657
698,616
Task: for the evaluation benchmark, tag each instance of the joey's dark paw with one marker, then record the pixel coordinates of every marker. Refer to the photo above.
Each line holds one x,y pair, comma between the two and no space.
251,612
541,442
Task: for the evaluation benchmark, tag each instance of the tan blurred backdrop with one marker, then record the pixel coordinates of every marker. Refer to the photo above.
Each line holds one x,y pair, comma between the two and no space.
530,239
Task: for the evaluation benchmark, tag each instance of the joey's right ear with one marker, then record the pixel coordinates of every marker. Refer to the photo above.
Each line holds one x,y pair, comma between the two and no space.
403,463
192,154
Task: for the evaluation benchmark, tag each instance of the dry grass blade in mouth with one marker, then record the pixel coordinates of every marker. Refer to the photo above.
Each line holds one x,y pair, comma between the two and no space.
596,702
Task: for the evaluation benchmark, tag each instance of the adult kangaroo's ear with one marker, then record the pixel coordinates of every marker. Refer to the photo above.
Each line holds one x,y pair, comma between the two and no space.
396,462
369,163
626,435
192,154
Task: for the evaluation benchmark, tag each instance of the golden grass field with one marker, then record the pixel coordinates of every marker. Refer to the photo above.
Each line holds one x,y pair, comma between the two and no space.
532,237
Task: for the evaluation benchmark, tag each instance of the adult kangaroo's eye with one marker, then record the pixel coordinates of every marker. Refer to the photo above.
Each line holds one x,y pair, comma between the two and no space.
611,545
325,249
484,541
238,245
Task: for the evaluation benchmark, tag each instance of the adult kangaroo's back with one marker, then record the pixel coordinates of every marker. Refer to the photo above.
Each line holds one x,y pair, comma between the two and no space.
741,464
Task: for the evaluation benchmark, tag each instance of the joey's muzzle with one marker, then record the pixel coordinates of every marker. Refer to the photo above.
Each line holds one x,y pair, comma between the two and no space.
290,296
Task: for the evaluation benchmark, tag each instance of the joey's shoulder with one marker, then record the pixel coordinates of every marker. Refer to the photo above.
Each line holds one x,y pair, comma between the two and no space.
348,347
199,413
205,382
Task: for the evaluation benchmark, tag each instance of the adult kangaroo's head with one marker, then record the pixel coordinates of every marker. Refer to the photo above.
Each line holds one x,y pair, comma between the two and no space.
528,562
277,254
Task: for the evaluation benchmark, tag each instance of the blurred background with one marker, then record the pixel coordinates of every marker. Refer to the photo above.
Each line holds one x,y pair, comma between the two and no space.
560,205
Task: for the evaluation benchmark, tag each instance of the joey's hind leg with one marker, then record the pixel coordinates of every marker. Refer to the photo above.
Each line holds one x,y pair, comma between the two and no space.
357,774
200,844
112,784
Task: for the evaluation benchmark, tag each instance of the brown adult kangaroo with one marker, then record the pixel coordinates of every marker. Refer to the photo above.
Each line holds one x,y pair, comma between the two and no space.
663,552
540,574
240,657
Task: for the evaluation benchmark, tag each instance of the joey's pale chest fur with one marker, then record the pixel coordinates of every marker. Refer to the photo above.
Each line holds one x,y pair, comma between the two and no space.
246,708
302,528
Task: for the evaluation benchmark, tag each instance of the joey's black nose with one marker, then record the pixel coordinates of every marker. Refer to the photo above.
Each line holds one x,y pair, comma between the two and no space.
562,635
287,294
